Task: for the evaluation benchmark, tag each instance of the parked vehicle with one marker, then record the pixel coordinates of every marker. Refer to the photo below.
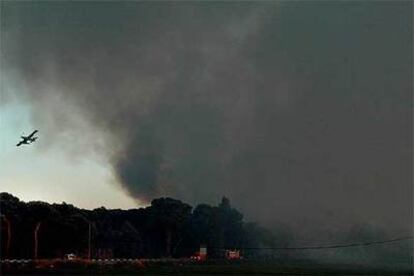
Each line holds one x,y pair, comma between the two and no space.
70,257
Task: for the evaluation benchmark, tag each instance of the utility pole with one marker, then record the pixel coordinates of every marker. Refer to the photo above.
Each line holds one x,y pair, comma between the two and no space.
8,235
36,239
89,241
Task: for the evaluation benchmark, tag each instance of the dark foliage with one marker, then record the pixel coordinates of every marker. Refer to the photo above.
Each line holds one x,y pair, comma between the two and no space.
167,228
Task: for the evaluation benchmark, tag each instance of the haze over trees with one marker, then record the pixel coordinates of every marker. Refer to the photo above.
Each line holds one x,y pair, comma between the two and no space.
166,228
171,228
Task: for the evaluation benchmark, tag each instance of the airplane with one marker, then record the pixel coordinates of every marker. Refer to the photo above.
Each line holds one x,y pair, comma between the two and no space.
28,139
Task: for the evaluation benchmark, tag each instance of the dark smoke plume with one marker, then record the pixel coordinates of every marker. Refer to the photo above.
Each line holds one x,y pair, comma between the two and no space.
301,112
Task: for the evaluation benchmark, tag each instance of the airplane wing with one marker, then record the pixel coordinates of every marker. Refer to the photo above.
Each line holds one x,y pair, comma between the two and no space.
21,142
30,136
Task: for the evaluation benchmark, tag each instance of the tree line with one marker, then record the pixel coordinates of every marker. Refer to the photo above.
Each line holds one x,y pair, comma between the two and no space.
166,228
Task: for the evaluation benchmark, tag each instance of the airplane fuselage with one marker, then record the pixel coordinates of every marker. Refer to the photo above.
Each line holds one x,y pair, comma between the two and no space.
27,139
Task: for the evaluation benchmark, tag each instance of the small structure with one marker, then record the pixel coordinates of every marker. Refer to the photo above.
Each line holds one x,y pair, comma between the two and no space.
201,255
232,254
70,257
203,252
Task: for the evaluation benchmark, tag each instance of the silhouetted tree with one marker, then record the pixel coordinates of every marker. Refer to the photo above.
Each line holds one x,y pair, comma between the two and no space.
40,215
171,216
166,228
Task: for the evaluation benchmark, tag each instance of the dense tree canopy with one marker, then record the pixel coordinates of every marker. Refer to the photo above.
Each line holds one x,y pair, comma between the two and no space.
166,228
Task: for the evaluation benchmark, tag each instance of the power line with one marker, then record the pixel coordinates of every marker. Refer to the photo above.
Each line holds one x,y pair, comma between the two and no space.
323,247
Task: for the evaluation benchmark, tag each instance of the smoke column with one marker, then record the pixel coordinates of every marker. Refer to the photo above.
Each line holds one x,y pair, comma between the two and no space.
300,112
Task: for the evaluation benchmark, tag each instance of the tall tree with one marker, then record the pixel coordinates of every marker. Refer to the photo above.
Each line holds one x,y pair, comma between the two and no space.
40,214
170,215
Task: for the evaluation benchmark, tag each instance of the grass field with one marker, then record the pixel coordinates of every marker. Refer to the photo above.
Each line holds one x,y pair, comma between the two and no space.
207,268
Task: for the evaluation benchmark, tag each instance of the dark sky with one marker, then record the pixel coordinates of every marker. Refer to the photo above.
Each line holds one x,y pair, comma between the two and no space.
299,112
